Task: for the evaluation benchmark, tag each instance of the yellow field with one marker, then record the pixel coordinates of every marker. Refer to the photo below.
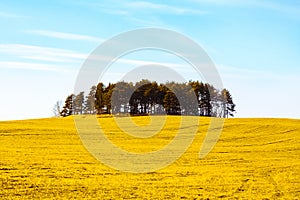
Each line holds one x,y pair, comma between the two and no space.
253,159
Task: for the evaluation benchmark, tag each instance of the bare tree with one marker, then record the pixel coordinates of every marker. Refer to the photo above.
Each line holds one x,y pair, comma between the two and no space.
57,109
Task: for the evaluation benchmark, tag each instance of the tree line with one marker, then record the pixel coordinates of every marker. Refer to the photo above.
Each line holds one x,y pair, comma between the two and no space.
150,98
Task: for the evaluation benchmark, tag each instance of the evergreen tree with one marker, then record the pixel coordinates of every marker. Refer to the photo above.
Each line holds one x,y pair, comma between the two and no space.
107,94
68,107
228,105
99,98
78,103
171,103
89,104
145,97
120,98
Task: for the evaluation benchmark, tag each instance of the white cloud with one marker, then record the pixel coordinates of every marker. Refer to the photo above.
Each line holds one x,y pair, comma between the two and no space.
143,13
288,9
67,36
144,62
164,8
9,15
131,8
19,56
31,66
41,53
49,56
224,2
283,8
239,73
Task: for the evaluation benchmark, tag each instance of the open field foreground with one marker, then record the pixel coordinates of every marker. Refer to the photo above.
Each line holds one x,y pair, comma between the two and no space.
253,159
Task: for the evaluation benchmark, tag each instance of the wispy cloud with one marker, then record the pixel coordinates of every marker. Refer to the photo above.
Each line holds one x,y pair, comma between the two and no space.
149,21
145,62
286,8
143,13
144,7
53,57
224,2
41,53
9,15
163,8
66,36
279,7
240,73
31,66
29,57
135,62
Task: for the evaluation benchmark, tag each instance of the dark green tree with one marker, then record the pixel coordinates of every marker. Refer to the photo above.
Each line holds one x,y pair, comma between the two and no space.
107,95
121,95
171,104
89,104
228,105
99,98
145,97
68,107
78,104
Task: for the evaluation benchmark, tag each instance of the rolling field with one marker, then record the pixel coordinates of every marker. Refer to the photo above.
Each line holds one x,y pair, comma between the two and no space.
253,159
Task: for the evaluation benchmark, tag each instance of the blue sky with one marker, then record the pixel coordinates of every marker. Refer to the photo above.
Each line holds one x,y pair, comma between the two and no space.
254,44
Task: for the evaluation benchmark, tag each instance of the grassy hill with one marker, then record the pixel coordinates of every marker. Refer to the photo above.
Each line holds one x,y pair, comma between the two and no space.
253,159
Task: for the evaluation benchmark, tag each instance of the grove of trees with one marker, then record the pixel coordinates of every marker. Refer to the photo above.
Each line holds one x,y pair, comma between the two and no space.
150,98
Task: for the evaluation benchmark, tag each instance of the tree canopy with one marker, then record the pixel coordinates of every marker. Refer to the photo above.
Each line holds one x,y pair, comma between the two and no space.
150,98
